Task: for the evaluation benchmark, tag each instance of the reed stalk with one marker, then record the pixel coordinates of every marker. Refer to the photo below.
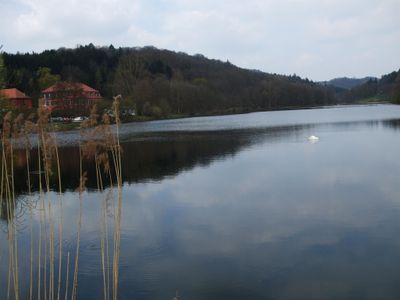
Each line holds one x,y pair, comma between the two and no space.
103,144
40,226
60,233
67,278
30,223
81,188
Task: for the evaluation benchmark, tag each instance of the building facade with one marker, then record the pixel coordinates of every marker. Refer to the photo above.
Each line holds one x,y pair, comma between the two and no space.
73,97
17,98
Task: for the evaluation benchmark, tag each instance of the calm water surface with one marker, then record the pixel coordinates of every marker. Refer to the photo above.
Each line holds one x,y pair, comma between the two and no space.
242,207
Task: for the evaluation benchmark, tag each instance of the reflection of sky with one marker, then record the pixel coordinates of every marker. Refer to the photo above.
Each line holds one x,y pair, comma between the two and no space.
338,114
282,219
294,217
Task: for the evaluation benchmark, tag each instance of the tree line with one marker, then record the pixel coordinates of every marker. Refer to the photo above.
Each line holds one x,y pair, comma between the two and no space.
386,88
161,83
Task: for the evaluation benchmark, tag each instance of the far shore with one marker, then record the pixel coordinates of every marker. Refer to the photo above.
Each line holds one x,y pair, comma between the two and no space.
66,126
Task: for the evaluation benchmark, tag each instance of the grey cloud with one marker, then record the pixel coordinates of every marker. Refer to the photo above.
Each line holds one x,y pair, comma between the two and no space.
315,39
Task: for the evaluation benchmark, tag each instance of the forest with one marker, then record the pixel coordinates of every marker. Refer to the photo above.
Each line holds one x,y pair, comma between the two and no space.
386,88
161,83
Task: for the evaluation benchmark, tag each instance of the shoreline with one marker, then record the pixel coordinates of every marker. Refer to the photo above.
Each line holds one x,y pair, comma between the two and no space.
70,126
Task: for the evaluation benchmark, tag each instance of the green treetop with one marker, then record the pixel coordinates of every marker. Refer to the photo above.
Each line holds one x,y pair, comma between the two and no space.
45,78
2,71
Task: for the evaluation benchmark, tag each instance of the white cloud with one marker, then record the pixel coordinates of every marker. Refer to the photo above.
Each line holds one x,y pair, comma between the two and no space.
353,38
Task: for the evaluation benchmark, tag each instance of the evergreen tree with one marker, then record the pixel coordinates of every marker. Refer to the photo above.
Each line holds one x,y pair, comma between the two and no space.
45,78
2,71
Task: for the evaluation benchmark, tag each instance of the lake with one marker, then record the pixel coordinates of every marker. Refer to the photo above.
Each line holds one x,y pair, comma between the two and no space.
230,207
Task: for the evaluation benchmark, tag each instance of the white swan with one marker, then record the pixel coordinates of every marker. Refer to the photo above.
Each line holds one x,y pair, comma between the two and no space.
313,138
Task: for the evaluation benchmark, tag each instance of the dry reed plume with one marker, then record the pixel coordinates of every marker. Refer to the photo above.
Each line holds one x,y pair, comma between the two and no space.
48,261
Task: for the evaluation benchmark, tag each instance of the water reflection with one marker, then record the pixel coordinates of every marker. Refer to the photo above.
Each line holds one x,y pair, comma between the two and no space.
152,157
392,123
251,213
155,156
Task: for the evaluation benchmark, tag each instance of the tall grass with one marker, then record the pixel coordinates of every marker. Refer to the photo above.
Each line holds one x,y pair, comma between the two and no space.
48,261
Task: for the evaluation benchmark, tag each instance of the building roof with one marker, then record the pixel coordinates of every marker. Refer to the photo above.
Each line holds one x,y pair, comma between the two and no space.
13,94
62,86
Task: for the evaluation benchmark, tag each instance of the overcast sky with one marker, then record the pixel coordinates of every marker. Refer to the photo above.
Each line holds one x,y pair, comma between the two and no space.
318,39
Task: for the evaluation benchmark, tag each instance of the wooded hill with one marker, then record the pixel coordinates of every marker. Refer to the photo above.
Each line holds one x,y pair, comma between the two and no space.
387,88
347,83
161,82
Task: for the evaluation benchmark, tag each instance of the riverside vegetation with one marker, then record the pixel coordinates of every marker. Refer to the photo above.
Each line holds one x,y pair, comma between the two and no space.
53,271
161,83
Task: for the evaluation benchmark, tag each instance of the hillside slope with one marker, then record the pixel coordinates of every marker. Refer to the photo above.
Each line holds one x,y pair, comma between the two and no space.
386,88
162,82
347,83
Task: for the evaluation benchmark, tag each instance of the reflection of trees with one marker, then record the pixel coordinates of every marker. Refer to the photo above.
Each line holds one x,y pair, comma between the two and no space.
393,124
156,159
389,123
9,211
6,210
145,159
154,156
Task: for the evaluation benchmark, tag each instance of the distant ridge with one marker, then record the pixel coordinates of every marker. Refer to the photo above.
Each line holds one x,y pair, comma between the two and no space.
386,88
348,83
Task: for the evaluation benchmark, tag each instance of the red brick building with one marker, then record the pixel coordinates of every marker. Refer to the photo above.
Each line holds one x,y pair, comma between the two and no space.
70,96
17,98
